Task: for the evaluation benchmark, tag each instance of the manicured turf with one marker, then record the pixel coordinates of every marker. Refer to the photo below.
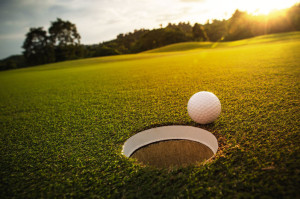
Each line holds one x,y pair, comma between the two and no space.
63,125
211,45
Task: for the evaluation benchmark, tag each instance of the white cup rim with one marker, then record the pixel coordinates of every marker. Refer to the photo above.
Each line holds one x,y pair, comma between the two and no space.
174,132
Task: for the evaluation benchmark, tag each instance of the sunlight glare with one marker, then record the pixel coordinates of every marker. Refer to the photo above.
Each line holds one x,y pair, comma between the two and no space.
257,7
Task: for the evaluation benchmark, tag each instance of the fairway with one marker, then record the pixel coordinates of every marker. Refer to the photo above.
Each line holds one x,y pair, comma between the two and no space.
63,125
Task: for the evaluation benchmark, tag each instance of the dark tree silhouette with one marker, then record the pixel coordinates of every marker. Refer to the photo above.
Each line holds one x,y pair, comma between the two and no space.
63,33
38,49
239,26
293,15
199,33
216,31
66,40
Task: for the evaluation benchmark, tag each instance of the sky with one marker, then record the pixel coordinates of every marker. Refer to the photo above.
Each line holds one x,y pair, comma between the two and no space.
103,20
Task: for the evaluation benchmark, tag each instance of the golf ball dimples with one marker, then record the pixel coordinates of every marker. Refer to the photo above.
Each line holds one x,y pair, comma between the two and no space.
204,107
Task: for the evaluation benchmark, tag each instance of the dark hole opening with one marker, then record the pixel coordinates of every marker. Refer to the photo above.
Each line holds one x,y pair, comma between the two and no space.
173,153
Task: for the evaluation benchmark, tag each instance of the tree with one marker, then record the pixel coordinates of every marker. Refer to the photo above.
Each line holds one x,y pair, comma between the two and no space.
63,43
37,47
216,30
294,16
63,33
65,39
199,33
159,37
12,62
239,26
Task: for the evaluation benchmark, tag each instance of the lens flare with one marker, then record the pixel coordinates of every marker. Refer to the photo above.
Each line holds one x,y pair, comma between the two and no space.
264,7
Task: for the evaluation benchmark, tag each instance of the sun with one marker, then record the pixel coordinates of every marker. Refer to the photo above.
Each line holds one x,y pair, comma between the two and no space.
257,7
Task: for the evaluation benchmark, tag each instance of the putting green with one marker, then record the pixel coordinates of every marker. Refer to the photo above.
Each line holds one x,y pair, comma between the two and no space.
63,125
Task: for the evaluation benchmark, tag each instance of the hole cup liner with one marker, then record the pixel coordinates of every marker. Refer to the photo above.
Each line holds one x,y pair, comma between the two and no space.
169,133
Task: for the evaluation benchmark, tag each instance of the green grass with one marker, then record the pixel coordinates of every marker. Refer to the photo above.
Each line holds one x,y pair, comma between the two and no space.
62,126
211,45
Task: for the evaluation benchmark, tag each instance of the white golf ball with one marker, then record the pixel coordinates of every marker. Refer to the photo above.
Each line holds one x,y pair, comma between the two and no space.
204,107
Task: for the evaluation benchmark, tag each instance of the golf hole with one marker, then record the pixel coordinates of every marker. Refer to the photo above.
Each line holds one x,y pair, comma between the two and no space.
171,146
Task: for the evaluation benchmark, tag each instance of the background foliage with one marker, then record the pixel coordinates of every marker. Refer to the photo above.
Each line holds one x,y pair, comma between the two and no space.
63,41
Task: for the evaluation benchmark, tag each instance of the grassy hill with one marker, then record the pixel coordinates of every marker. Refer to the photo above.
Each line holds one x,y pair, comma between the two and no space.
209,45
62,126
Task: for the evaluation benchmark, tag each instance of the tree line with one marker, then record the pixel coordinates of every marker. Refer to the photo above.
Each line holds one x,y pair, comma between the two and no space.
62,41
